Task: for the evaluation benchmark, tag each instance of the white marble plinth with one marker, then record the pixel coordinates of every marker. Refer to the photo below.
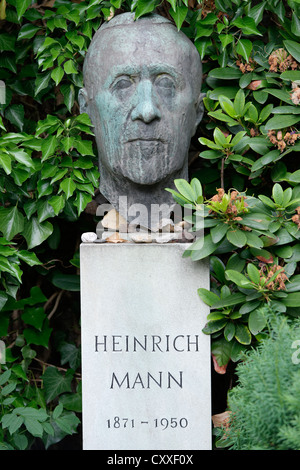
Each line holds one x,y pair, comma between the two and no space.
145,361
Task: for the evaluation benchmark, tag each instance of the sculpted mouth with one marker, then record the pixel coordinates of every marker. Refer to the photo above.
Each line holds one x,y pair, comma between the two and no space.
145,139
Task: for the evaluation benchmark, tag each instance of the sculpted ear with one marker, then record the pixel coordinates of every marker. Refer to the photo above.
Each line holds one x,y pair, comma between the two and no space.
83,100
199,110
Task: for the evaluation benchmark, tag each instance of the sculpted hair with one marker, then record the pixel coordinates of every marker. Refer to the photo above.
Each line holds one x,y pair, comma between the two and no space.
90,72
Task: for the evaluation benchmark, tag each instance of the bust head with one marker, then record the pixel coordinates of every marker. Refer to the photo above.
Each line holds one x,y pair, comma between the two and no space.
142,92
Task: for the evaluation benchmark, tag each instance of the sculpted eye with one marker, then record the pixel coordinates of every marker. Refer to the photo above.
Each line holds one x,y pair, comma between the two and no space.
165,86
165,82
123,83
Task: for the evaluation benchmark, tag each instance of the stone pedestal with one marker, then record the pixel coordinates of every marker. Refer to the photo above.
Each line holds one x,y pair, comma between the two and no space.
145,361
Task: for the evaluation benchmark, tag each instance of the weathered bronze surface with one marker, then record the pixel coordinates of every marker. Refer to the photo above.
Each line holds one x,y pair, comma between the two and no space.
142,92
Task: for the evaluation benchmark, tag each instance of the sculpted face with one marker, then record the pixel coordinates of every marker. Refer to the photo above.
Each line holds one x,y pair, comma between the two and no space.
142,92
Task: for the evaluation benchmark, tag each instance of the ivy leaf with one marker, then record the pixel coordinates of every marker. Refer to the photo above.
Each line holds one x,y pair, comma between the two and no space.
27,31
41,82
81,201
7,42
69,67
34,316
21,7
143,7
179,15
56,383
49,146
244,48
247,25
35,232
68,187
28,257
57,75
68,92
11,222
15,114
39,338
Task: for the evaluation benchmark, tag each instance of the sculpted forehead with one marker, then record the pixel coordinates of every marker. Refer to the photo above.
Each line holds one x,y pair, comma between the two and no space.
137,45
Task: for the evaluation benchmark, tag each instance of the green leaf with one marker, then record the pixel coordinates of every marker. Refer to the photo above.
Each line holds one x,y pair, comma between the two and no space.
21,7
143,7
227,106
27,31
207,296
282,95
229,331
81,201
42,82
49,146
281,121
202,248
179,15
5,162
293,48
292,75
253,273
218,232
232,299
225,73
68,187
68,423
34,316
39,338
242,334
221,349
247,25
292,300
35,232
58,203
239,103
244,48
277,194
237,237
11,222
214,326
70,282
69,67
57,75
185,189
7,42
84,147
15,114
256,322
238,278
55,383
34,427
28,257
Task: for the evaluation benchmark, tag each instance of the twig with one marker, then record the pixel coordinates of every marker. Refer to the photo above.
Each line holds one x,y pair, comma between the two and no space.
56,304
222,173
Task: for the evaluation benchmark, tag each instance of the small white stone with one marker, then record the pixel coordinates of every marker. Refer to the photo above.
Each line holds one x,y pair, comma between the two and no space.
165,225
88,237
165,237
114,221
141,237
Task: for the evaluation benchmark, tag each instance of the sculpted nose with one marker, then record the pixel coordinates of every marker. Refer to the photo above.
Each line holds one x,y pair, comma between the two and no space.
146,108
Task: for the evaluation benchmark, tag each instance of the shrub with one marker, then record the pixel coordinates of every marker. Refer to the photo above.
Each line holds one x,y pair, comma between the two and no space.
264,407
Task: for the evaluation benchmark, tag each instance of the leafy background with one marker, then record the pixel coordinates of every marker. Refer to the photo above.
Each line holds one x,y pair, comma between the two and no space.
243,170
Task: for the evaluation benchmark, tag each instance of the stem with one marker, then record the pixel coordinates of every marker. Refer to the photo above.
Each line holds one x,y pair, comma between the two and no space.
222,172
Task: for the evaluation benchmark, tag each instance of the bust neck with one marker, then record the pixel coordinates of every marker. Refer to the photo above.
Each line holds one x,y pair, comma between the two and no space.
143,205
